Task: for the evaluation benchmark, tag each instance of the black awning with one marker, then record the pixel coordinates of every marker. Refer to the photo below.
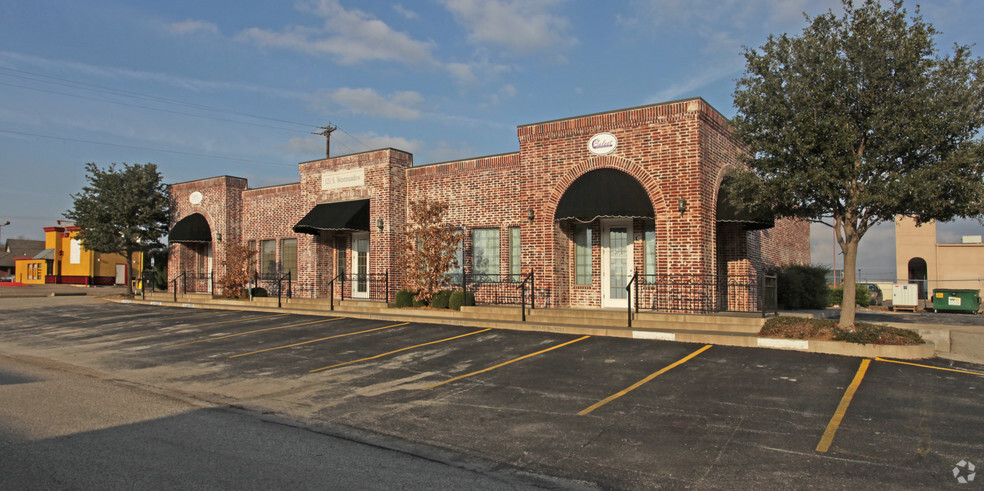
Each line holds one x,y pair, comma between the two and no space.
192,228
728,211
605,193
347,215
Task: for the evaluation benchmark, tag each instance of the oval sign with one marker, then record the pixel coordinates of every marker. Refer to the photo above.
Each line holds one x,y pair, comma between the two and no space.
602,144
195,198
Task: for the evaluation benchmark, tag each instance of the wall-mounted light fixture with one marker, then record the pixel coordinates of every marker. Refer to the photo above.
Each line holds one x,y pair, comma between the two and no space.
379,224
530,215
682,206
218,236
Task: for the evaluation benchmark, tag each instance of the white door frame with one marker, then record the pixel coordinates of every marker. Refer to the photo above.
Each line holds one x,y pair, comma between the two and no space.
607,298
360,288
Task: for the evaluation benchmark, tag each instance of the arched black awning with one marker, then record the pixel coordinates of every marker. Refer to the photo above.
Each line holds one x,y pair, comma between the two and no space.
604,193
192,228
347,215
728,211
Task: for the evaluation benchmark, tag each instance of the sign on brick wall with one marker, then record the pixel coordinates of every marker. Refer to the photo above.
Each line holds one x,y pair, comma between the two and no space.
343,179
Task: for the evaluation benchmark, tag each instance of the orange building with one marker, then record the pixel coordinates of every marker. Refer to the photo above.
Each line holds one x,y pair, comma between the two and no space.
65,260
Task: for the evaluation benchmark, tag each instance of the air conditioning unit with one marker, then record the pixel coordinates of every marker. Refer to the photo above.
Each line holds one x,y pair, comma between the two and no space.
905,296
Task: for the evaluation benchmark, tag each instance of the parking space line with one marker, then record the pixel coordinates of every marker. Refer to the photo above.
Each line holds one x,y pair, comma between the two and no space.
319,339
979,374
835,420
638,384
514,360
198,325
399,350
251,332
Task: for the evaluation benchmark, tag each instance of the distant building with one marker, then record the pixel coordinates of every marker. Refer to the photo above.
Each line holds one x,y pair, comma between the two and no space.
922,260
64,260
15,248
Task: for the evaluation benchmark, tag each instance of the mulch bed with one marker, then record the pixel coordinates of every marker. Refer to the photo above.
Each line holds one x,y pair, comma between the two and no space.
828,330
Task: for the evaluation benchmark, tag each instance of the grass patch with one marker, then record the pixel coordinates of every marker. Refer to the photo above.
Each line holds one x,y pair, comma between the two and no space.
827,330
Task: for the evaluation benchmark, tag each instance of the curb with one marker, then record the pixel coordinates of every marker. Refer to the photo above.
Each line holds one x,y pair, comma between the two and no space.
910,352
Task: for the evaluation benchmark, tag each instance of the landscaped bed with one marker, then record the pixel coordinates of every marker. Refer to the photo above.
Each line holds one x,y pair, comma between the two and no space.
789,327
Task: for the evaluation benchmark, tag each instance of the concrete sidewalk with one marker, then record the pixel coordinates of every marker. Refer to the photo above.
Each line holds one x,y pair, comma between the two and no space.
50,290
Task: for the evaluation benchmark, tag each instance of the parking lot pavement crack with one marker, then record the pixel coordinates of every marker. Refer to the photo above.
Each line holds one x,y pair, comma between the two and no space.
720,455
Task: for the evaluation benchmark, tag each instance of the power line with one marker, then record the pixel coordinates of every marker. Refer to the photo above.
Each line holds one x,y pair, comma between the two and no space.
79,140
111,90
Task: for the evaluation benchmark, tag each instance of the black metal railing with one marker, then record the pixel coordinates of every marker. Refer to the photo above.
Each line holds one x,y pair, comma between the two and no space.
367,286
174,284
522,294
501,289
701,294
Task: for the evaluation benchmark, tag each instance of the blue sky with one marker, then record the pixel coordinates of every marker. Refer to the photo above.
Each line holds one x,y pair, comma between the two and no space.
212,88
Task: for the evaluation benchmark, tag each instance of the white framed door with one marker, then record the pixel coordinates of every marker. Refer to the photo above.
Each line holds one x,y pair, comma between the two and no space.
360,265
120,274
616,262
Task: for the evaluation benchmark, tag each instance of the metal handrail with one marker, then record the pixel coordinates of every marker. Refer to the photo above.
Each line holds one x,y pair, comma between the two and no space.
522,294
331,289
628,288
184,282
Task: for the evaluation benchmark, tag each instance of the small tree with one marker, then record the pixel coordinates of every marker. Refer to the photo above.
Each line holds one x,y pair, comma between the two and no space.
859,120
430,248
121,210
237,262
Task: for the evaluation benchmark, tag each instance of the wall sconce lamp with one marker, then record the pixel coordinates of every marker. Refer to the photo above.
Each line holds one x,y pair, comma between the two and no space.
379,224
218,236
682,206
530,215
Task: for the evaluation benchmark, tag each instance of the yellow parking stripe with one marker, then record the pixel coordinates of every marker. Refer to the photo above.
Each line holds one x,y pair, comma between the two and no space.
319,339
828,436
397,351
199,325
251,332
514,360
979,374
638,384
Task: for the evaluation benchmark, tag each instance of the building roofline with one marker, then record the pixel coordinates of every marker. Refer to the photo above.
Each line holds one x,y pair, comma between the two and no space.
355,153
274,186
677,101
207,178
465,159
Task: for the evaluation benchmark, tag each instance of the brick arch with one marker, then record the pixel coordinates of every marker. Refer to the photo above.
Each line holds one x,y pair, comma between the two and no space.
647,181
204,213
718,180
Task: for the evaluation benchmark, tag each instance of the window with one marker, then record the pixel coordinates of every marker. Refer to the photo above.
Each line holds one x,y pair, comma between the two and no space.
485,253
288,257
251,245
582,254
74,252
268,258
459,254
650,259
514,254
340,246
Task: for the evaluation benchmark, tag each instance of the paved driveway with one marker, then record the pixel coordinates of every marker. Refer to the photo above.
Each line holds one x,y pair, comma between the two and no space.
615,412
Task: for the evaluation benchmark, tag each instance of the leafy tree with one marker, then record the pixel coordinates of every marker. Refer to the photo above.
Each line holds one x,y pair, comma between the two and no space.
237,270
121,210
860,119
430,248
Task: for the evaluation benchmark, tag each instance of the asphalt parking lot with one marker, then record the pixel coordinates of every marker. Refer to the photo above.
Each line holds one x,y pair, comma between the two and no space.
613,412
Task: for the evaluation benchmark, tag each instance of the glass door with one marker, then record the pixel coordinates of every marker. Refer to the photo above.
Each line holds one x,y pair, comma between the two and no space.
616,262
360,258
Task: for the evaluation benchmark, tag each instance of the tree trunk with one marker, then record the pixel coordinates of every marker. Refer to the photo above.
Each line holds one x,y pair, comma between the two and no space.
127,273
848,305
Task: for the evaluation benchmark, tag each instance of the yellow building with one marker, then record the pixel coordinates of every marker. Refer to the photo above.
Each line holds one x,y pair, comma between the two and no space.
65,260
920,259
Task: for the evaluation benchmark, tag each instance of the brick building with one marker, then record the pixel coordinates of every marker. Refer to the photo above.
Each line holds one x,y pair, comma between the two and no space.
585,203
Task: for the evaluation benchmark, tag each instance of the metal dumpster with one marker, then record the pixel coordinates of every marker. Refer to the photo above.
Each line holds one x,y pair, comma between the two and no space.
955,300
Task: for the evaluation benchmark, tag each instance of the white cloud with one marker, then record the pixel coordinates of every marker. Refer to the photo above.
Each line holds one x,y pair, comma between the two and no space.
305,144
350,36
476,71
406,13
398,105
520,26
373,141
191,26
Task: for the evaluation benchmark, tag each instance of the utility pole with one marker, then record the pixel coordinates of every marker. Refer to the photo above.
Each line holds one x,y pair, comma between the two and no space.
326,132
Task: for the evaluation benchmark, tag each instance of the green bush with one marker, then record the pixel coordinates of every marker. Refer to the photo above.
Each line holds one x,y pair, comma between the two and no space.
862,298
440,299
469,299
802,286
259,292
460,298
404,298
418,302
